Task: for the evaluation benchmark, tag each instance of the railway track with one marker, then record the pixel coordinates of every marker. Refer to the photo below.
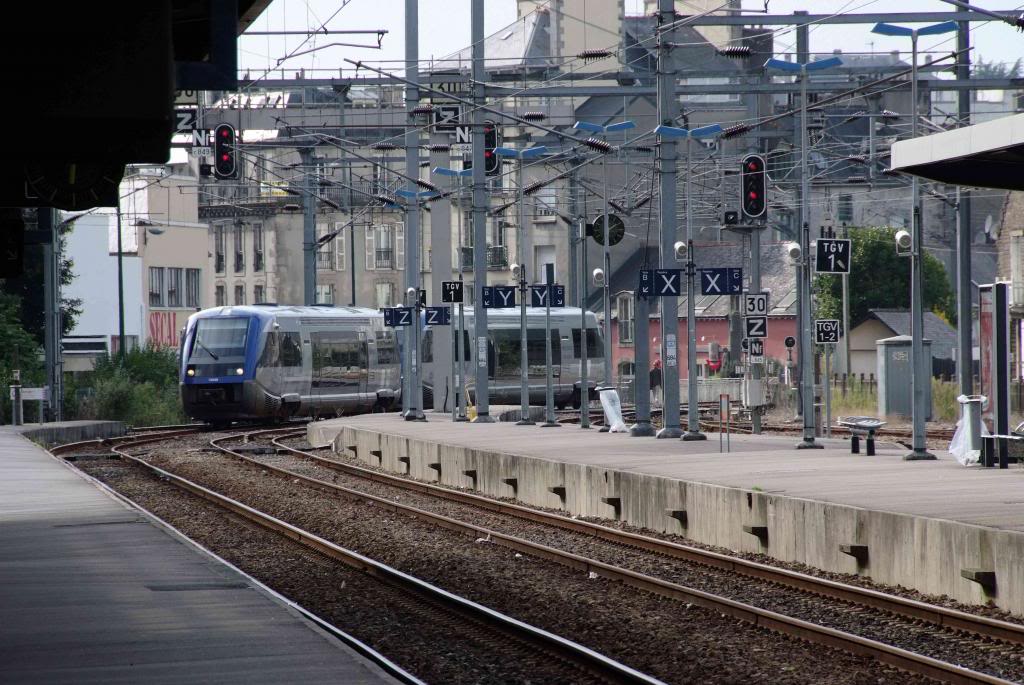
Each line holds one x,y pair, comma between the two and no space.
947,627
505,637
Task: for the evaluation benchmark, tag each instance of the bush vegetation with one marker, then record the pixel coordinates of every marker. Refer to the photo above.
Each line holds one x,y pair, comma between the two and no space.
140,389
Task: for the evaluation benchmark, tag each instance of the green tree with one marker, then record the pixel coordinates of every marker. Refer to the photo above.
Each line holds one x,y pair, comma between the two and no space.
18,350
28,287
880,279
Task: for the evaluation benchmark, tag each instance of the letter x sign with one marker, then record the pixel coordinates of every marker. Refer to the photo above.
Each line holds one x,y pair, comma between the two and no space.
667,282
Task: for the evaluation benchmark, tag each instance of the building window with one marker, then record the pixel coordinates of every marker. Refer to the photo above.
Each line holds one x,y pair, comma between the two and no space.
239,294
626,317
174,287
385,294
257,247
546,202
192,288
220,296
156,286
324,294
846,208
384,256
239,248
339,242
325,252
259,294
219,249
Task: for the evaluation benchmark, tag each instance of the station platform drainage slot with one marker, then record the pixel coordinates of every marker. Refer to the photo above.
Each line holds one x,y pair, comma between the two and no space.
760,532
678,515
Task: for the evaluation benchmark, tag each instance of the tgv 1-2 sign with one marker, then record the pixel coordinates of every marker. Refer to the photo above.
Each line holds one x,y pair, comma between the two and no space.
826,331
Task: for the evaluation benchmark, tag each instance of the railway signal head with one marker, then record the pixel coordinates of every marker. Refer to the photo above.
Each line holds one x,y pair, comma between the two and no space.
492,163
225,164
754,186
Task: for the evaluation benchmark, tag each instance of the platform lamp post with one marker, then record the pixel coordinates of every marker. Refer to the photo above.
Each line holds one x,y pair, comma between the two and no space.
803,259
458,351
604,147
919,374
692,397
524,376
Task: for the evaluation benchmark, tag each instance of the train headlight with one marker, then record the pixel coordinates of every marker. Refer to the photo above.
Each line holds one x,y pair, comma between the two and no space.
239,370
190,372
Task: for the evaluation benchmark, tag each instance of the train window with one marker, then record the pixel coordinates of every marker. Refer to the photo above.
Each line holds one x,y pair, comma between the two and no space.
536,355
594,346
427,349
507,348
291,349
219,337
387,352
464,348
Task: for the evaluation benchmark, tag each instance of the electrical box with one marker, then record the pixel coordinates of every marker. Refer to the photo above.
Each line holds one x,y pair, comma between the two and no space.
894,373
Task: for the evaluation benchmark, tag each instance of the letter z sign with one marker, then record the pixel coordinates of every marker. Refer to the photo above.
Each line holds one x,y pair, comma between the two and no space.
757,326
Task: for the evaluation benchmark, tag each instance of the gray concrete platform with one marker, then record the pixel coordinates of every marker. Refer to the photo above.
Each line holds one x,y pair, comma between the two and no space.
92,592
922,522
67,431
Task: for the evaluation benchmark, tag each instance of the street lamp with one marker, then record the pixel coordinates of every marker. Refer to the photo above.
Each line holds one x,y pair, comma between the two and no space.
414,411
607,261
524,379
804,265
692,415
919,374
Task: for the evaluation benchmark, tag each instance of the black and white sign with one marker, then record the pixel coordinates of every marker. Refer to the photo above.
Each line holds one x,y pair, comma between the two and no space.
756,351
667,282
790,342
438,316
646,288
398,316
755,304
826,331
462,141
184,121
446,117
721,281
756,326
539,293
201,142
452,291
499,296
832,256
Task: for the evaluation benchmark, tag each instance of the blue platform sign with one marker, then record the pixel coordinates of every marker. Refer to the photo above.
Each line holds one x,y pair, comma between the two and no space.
499,296
721,281
668,282
398,316
438,316
646,288
538,295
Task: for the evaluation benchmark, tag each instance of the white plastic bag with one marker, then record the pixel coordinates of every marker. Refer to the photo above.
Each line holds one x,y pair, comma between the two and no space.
960,445
612,410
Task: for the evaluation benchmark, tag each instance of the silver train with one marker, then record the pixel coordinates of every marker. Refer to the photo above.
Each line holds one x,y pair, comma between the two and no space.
267,362
504,359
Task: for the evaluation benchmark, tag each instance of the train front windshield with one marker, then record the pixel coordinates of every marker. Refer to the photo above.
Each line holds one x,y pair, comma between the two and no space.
218,346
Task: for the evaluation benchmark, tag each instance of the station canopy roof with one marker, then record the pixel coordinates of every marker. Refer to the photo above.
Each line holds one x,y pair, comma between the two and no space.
988,155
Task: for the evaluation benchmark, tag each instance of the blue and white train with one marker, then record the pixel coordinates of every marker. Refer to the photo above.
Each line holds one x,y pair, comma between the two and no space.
267,362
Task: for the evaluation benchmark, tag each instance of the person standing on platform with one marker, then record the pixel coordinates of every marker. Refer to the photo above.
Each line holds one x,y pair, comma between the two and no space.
656,383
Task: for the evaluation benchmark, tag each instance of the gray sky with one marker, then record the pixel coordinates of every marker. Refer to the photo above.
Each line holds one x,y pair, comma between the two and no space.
444,28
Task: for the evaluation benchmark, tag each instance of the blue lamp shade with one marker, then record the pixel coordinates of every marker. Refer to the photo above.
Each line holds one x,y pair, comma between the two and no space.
884,29
620,126
935,29
671,132
782,65
535,151
587,126
506,152
412,194
706,131
822,64
445,171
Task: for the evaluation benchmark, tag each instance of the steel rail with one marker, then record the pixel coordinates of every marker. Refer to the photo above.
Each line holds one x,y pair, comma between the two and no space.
104,442
593,662
894,656
943,616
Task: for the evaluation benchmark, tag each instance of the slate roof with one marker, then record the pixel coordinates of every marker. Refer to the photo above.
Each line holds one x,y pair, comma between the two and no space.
778,276
942,335
523,43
